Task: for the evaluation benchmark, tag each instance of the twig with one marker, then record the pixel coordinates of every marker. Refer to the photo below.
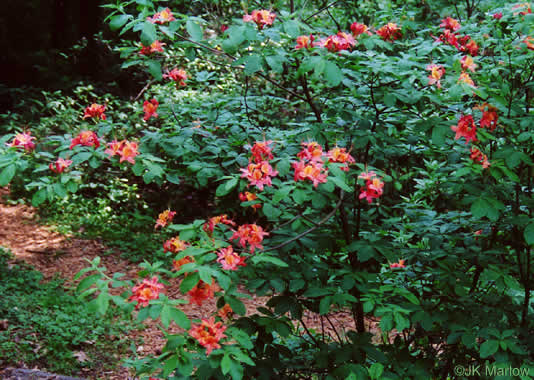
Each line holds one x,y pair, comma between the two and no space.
144,89
321,10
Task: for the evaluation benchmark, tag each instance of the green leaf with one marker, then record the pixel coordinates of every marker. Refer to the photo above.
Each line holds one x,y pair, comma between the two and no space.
340,182
189,282
149,34
276,63
154,68
226,187
439,134
116,22
324,305
252,64
291,27
271,212
479,208
489,348
316,292
332,74
237,306
60,190
166,315
87,282
529,233
180,318
194,30
269,259
7,174
170,365
102,303
376,370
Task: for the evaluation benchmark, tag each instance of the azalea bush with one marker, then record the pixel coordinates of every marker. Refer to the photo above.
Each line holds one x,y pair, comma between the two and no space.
375,160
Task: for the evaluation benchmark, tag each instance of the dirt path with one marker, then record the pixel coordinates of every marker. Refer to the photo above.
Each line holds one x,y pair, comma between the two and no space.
53,254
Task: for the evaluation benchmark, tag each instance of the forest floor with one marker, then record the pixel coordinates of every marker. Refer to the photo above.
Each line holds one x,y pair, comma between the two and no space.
53,254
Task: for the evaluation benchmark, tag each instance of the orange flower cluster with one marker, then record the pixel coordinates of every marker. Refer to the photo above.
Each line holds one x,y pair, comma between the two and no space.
389,32
209,226
150,107
164,218
250,234
161,17
357,29
477,156
146,291
373,188
489,116
311,165
225,312
526,9
177,264
85,138
260,172
208,334
177,75
466,128
260,17
398,265
23,141
305,42
229,259
154,47
174,245
60,165
340,155
436,73
247,197
127,150
463,44
529,41
95,111
201,292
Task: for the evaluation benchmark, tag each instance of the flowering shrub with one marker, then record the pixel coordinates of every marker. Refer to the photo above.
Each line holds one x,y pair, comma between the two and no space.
368,203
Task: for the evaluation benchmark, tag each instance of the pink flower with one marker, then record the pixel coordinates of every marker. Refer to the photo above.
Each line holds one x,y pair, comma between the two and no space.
23,141
229,259
259,174
60,165
260,17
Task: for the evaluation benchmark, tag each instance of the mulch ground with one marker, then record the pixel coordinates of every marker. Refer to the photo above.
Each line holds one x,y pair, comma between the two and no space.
54,254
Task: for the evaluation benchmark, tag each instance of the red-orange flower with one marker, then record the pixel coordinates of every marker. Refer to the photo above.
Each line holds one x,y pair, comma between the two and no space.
312,151
529,41
260,17
128,151
489,116
468,63
247,197
23,141
357,29
150,107
466,78
60,165
373,188
449,37
526,9
341,156
312,170
469,46
174,245
389,32
259,174
95,111
154,47
250,234
436,73
177,75
201,292
162,17
466,128
146,291
450,24
225,312
337,42
85,138
399,265
261,151
229,259
478,156
164,218
213,221
177,264
208,334
305,42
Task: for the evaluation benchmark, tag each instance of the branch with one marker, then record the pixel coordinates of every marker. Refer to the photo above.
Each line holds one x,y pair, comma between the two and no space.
321,10
321,222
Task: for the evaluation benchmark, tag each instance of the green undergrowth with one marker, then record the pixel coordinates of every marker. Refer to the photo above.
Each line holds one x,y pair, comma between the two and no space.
43,325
